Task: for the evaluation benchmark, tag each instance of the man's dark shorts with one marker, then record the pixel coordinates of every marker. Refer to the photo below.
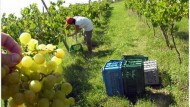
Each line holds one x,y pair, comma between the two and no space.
87,36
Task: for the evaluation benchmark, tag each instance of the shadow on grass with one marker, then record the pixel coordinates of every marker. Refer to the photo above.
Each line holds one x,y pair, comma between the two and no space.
182,35
78,76
159,98
155,94
103,53
100,53
165,78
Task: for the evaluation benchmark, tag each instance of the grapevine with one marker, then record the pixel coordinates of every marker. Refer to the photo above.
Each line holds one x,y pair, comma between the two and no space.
36,81
163,14
38,77
50,28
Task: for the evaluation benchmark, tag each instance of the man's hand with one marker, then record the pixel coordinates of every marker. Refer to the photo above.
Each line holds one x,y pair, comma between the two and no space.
15,55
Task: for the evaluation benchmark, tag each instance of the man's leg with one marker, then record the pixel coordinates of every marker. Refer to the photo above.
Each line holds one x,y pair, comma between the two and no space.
87,38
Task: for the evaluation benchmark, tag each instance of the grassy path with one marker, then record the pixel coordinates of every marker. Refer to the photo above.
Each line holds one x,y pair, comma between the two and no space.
125,33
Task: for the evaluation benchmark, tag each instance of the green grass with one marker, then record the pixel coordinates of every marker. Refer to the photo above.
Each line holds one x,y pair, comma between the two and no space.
125,33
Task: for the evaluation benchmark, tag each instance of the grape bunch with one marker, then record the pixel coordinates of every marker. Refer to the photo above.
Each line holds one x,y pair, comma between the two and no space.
37,81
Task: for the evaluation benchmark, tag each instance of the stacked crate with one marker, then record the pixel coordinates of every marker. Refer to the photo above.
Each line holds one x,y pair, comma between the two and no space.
112,78
133,74
130,75
151,73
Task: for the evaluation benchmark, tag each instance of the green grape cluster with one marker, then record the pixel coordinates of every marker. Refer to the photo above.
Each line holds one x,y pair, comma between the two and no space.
36,81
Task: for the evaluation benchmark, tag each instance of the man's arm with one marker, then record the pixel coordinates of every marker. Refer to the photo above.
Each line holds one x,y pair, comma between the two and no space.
68,26
76,30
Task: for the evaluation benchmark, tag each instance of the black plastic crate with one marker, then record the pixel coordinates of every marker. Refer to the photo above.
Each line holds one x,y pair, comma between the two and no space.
133,77
135,57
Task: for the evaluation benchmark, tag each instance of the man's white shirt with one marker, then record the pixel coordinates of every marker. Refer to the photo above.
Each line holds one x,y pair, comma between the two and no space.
83,22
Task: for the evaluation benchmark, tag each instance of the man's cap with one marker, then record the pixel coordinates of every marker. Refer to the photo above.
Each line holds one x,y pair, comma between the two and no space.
69,20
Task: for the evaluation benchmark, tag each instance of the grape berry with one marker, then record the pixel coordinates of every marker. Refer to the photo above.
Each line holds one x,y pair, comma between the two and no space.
36,81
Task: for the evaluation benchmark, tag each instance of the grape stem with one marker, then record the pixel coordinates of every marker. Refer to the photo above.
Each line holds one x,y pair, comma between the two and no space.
45,75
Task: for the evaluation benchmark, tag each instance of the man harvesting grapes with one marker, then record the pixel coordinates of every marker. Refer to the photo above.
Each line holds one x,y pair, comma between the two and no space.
85,23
